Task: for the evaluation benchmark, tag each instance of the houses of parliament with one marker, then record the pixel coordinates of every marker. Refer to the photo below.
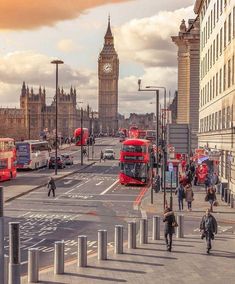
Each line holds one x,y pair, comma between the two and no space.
35,117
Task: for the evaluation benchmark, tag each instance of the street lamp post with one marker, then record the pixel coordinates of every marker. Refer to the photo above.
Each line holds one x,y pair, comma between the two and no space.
157,127
81,136
29,122
56,62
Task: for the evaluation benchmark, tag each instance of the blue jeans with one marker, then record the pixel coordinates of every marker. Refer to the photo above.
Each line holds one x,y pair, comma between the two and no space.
181,204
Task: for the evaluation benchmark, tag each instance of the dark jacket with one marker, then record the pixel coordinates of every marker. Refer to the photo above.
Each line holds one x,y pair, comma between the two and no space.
208,224
211,195
51,184
180,192
168,219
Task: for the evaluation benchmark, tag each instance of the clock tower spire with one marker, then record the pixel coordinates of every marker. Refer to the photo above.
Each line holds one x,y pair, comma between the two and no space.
108,73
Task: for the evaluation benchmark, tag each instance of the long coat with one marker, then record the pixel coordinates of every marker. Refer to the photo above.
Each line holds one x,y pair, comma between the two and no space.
209,223
168,219
189,194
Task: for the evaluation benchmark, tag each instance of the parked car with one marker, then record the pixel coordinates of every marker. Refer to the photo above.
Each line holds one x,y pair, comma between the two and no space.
60,162
109,154
68,159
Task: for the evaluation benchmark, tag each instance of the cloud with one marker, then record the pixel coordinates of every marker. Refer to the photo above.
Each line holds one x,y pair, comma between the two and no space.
66,45
31,14
148,40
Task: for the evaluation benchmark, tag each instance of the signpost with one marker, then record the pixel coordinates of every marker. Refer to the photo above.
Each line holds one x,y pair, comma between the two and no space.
171,169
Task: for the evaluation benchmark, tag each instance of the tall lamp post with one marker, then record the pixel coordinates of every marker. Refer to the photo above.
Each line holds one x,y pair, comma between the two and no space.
56,62
81,136
157,126
164,139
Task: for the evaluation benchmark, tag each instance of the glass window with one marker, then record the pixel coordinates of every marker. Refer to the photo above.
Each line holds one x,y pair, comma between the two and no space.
3,164
229,27
220,81
229,73
233,21
228,119
134,148
225,34
221,40
217,46
224,88
219,120
217,10
233,70
213,88
216,121
223,118
216,84
134,170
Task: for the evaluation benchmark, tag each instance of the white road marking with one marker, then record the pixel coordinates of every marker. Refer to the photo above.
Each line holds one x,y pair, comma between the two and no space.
111,186
99,183
68,182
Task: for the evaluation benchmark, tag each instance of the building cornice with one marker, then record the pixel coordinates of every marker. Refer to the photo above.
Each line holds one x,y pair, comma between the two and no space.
197,6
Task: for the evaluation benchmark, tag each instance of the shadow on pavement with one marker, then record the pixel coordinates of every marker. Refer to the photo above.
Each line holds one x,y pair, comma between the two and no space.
137,262
117,269
95,277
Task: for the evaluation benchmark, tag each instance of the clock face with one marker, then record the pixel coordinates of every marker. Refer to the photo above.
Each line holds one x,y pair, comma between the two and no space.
107,68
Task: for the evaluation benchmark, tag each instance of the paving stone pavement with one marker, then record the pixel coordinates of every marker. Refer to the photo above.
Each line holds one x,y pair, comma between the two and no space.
151,263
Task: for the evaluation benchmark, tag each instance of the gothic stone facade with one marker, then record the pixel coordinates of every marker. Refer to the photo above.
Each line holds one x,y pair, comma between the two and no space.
108,72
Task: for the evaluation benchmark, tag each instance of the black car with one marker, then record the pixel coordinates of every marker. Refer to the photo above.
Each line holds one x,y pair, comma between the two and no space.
60,163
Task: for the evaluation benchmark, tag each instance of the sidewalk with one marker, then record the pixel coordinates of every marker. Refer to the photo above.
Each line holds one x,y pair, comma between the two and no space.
151,263
20,188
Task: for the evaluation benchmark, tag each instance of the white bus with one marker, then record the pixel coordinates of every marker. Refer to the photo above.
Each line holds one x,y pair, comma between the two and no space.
32,154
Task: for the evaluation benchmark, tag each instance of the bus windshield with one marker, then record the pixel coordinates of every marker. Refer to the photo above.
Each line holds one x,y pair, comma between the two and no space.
135,170
134,148
3,164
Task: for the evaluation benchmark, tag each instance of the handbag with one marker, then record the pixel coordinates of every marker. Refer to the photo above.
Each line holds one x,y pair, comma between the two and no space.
174,223
215,203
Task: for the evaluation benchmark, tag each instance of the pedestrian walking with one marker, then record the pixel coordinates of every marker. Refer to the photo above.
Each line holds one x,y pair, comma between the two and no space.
211,197
189,196
51,186
181,195
208,228
207,182
157,183
170,224
101,156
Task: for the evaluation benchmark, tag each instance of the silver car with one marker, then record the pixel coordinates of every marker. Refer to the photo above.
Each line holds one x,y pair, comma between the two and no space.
109,154
68,159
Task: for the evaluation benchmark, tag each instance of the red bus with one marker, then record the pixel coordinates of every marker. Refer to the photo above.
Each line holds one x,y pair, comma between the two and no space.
7,159
135,162
78,137
133,132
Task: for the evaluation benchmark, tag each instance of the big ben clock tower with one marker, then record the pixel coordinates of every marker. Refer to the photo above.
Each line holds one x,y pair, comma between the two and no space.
108,72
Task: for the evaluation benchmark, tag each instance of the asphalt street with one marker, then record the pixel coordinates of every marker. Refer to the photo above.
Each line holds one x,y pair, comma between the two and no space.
85,202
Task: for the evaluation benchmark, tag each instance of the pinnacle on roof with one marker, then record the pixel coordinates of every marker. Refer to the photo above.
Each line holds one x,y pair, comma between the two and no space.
109,32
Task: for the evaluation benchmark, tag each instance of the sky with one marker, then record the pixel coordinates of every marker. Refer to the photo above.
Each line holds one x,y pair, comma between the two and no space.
33,33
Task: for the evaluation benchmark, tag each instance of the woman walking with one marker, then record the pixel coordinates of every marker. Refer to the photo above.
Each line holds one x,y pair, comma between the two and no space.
189,196
211,197
170,222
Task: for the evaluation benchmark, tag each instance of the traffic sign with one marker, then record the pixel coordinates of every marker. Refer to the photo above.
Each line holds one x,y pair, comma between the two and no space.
170,167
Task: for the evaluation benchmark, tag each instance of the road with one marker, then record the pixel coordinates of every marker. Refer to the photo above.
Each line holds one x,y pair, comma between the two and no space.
85,202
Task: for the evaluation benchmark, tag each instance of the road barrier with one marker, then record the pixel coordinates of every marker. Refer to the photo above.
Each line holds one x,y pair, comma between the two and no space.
180,228
143,231
33,265
132,235
6,265
82,251
1,235
118,242
14,253
156,228
102,245
59,257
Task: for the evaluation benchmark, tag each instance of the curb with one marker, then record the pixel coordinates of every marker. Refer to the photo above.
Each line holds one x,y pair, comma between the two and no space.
44,184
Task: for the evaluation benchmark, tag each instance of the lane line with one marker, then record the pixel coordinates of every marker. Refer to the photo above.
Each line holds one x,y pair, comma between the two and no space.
140,196
99,183
110,187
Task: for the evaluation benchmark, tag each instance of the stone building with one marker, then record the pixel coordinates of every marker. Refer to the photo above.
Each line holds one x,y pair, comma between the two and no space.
217,85
34,119
188,43
108,72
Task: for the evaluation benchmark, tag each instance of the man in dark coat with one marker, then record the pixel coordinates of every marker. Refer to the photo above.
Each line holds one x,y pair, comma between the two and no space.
51,186
181,195
208,227
169,219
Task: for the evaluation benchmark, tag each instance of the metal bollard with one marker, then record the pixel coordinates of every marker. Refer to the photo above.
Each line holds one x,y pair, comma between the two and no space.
132,235
118,246
180,228
102,245
14,253
6,265
33,266
143,231
225,195
156,228
229,195
82,251
2,235
59,257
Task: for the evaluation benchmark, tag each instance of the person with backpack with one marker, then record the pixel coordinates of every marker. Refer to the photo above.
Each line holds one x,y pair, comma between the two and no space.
181,195
170,224
208,228
51,186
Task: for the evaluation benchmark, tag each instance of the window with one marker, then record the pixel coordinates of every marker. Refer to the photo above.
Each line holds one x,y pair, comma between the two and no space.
225,33
217,14
224,87
216,121
221,40
212,121
209,26
211,56
219,120
210,90
233,21
214,52
233,70
229,28
228,119
214,11
213,88
223,118
211,21
216,84
217,46
221,6
229,73
220,81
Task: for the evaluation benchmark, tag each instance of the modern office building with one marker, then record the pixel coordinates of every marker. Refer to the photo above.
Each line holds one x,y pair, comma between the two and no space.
217,83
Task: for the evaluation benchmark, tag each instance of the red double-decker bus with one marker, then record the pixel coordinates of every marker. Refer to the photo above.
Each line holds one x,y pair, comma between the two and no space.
80,136
133,132
135,162
7,159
